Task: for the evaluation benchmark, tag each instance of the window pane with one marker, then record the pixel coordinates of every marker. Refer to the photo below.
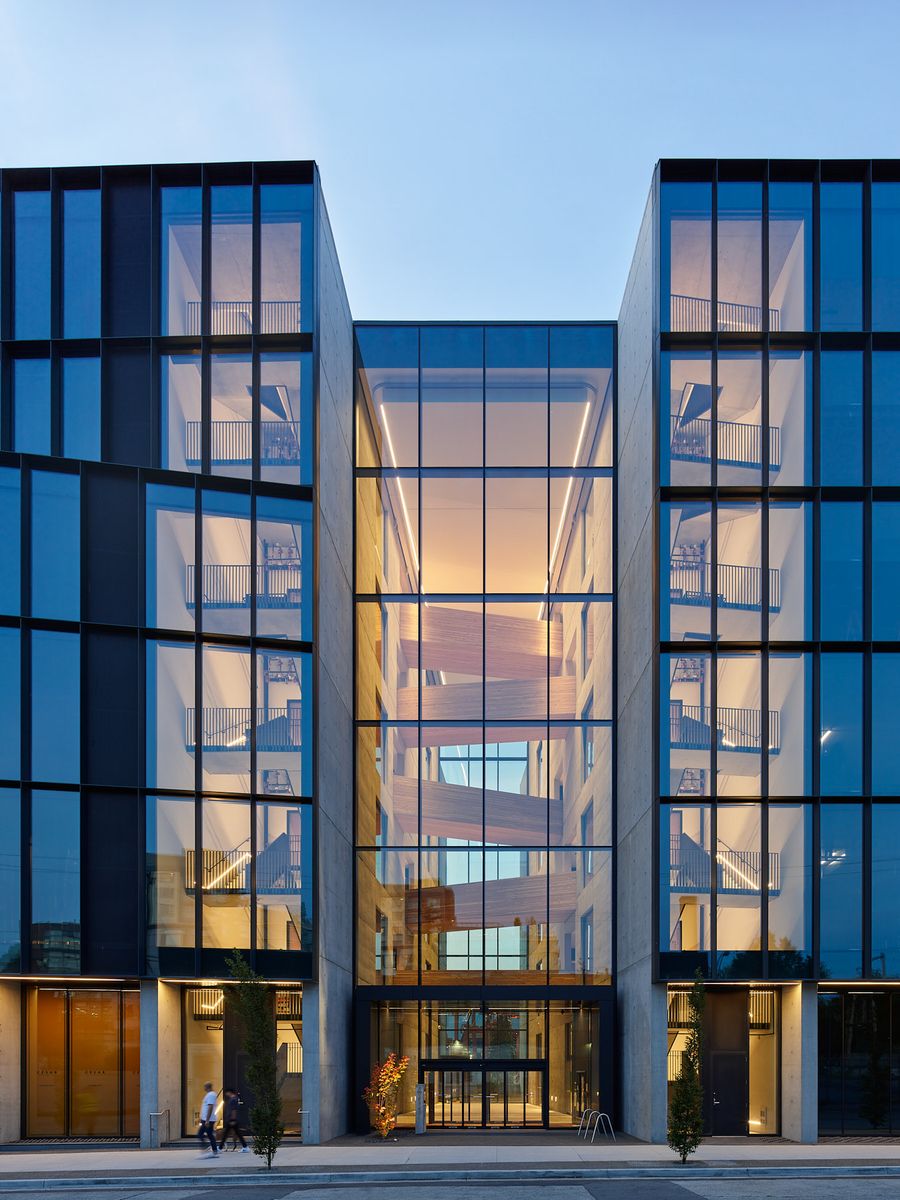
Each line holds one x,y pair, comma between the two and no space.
55,540
223,874
231,406
790,256
580,783
31,270
450,656
55,706
841,249
790,417
171,582
885,571
285,214
885,417
387,788
180,435
841,606
387,917
170,875
515,914
81,263
580,932
738,726
181,254
885,690
515,535
516,415
841,417
10,702
227,719
452,397
226,590
687,420
452,783
451,921
285,416
685,256
387,397
283,724
790,697
790,571
885,256
885,893
81,408
387,656
284,865
10,881
686,553
55,883
739,273
581,534
231,257
684,885
581,397
790,890
10,542
31,405
387,535
684,723
739,441
841,725
284,558
840,891
739,589
581,656
451,520
171,716
515,785
739,877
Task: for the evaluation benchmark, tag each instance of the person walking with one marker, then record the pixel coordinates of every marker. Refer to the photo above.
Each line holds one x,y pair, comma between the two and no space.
208,1122
231,1125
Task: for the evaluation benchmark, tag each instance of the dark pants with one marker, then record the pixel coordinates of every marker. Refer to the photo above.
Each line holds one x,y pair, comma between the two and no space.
231,1129
207,1130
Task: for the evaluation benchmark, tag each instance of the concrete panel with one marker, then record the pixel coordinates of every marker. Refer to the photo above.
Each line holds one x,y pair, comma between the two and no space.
800,1062
160,1084
642,1053
10,1061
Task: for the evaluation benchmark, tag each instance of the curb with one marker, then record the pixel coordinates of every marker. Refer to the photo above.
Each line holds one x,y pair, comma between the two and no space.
477,1175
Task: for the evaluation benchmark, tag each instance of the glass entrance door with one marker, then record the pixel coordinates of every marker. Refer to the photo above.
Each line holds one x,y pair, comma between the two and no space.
453,1099
498,1098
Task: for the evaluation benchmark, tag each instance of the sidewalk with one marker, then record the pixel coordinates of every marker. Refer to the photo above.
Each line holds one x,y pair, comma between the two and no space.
450,1156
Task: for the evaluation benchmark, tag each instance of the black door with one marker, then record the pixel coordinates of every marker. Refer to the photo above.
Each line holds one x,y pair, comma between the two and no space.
729,1085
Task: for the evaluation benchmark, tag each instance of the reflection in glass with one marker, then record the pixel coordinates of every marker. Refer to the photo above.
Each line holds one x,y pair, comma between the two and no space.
840,737
685,877
10,703
515,914
515,534
580,783
283,723
790,695
452,396
790,570
170,556
231,408
581,397
231,255
790,417
10,882
885,894
81,408
284,556
790,890
387,917
516,414
840,241
739,261
387,397
222,873
885,571
31,405
387,522
284,856
840,891
738,725
224,588
739,431
885,417
285,210
453,938
81,263
387,793
686,559
31,265
171,717
739,593
685,257
840,418
227,719
387,657
452,762
580,931
180,266
684,759
55,538
885,691
740,880
285,410
885,256
790,256
55,883
687,419
171,880
515,787
581,530
10,542
451,520
841,567
55,706
181,429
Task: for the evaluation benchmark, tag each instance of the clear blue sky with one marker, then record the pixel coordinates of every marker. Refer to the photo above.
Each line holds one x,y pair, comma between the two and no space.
481,158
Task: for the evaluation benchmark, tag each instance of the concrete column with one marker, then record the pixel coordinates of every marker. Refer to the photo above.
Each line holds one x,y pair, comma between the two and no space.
800,1063
10,1061
160,1055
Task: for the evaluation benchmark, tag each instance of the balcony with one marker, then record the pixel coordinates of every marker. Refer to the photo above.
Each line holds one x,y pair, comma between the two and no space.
737,444
738,587
231,444
235,317
691,314
738,730
737,871
227,586
229,729
278,868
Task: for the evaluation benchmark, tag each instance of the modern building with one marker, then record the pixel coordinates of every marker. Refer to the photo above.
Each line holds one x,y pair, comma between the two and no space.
479,682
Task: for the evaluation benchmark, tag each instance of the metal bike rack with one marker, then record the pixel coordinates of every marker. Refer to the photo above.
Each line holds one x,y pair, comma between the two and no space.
585,1114
603,1122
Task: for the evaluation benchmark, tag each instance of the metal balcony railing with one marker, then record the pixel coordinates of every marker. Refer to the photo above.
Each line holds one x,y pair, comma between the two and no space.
230,728
738,587
227,585
737,729
236,317
231,443
691,314
737,871
737,444
278,868
762,1009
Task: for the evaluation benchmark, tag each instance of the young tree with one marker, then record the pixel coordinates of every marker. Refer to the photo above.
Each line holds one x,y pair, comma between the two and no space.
383,1093
686,1104
251,999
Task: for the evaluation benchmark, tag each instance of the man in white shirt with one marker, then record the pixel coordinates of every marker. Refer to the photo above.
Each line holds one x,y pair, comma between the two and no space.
208,1121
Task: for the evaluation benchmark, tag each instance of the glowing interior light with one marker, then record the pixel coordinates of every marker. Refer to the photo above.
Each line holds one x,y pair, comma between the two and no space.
751,883
826,734
565,503
230,869
408,522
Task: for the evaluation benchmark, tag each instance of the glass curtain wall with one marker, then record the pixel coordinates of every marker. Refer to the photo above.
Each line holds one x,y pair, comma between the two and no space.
779,535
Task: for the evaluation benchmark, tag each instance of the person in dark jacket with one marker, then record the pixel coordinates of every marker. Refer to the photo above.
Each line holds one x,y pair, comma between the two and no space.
231,1125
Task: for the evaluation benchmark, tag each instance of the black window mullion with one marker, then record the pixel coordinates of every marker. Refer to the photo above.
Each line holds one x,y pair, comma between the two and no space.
199,727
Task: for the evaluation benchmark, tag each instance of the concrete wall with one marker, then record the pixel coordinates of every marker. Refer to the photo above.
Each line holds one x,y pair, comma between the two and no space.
160,1056
327,1003
10,1061
800,1062
641,1006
